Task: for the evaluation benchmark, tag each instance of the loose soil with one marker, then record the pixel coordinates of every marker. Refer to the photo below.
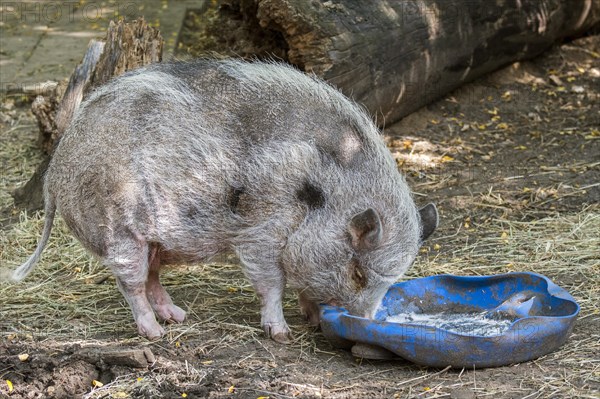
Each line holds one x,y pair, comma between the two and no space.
513,163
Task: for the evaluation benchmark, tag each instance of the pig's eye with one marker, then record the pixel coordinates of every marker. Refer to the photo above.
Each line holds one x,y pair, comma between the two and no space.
358,275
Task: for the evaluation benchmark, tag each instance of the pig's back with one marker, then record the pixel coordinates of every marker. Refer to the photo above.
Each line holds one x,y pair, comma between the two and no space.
212,111
169,148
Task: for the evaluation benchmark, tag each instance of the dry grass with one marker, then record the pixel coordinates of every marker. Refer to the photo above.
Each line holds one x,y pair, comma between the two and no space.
70,299
19,154
566,249
68,284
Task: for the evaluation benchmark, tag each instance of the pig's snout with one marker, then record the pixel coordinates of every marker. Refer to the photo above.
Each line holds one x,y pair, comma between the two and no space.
352,309
363,310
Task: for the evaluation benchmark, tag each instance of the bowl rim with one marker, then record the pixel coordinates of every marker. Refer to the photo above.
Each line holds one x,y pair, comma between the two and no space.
551,289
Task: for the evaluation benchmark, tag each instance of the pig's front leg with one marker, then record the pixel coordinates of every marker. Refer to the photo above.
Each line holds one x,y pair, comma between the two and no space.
271,311
269,282
309,309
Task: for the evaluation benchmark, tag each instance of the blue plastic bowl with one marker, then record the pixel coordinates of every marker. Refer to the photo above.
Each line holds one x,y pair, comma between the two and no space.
543,317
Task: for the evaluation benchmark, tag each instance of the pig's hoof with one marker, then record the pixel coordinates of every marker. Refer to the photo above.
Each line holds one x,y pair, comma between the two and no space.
170,313
152,333
283,338
149,328
279,334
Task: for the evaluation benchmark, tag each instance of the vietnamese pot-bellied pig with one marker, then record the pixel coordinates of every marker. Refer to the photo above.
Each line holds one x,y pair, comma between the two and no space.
178,162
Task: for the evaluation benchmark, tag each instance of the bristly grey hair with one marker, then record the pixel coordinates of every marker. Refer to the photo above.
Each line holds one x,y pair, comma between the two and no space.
179,162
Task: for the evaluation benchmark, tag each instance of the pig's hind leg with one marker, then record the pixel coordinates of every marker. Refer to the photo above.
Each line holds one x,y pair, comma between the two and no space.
128,260
157,296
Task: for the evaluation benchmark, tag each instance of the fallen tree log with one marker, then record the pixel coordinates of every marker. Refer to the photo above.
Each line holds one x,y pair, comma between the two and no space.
395,56
128,45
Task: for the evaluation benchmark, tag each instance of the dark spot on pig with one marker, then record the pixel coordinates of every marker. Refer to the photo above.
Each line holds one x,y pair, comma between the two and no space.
346,149
311,195
234,197
192,212
148,99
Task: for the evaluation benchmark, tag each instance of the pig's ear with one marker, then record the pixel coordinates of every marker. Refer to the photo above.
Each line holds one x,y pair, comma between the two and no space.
429,220
365,230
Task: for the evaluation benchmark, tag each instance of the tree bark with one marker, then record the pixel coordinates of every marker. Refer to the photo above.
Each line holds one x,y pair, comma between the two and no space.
128,45
53,116
394,56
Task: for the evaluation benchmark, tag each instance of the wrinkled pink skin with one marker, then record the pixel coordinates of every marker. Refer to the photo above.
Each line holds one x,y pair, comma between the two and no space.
151,296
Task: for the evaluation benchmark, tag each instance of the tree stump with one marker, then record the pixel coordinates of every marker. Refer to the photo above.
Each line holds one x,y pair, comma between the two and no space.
128,45
53,116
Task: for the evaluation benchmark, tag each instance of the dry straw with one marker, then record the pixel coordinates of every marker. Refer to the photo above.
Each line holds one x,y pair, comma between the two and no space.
71,298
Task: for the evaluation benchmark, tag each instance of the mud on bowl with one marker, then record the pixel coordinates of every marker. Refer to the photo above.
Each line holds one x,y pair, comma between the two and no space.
460,321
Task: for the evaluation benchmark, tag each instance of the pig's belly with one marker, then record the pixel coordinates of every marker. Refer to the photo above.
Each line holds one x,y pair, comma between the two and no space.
185,237
179,256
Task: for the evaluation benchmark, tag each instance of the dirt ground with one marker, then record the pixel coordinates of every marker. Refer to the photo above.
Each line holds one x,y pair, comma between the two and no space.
513,163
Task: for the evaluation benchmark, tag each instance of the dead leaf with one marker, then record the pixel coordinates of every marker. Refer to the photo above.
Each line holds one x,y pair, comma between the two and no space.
556,80
577,89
